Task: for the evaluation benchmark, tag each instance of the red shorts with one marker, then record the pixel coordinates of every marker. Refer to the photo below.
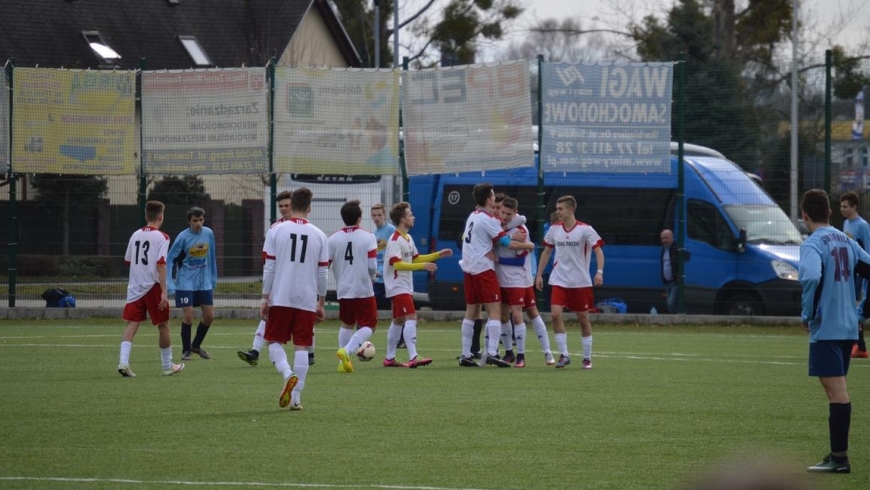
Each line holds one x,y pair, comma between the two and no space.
358,311
575,299
403,305
286,323
524,297
482,288
135,311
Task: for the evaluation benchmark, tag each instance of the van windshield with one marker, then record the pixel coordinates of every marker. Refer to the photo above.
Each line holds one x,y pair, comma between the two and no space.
764,225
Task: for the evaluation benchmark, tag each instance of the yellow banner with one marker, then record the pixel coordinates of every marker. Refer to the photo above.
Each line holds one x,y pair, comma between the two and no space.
74,122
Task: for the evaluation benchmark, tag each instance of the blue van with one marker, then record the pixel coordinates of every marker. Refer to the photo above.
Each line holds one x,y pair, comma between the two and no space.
743,250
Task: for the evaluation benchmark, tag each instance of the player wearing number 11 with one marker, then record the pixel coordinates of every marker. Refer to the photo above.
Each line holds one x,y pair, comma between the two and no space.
296,258
828,262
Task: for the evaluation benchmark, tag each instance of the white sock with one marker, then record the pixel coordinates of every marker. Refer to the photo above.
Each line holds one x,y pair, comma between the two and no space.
279,359
541,333
344,336
493,332
311,347
410,333
507,333
520,333
300,364
356,340
467,333
562,343
125,352
393,335
166,357
259,341
587,347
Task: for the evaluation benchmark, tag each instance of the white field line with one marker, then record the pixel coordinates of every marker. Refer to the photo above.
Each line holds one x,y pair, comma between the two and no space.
223,483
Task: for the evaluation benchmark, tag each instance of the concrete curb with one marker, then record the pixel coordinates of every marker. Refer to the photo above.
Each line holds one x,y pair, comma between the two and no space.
424,314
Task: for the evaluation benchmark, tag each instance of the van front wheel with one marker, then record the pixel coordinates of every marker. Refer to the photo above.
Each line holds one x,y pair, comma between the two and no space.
743,304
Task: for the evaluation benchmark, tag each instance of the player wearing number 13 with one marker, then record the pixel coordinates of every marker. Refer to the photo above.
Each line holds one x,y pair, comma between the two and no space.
296,257
828,261
146,290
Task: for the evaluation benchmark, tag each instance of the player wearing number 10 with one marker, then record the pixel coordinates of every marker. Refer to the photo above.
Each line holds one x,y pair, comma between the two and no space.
294,292
353,256
146,290
828,262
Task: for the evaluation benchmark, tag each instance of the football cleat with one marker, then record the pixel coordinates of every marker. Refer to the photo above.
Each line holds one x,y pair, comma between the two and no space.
289,384
467,362
828,465
174,369
200,352
548,358
394,363
344,357
509,356
587,363
563,361
858,353
185,356
496,361
521,361
419,361
125,371
251,356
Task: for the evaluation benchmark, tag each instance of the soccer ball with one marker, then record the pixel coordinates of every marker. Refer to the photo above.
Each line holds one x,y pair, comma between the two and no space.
366,352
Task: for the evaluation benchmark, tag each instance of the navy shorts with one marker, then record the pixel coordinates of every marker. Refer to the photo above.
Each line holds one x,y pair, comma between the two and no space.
194,298
830,358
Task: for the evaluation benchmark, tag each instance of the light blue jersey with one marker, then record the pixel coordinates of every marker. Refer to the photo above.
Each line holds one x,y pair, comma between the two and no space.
193,261
829,260
382,235
858,230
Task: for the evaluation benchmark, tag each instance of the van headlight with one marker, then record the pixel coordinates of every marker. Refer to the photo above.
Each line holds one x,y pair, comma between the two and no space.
784,270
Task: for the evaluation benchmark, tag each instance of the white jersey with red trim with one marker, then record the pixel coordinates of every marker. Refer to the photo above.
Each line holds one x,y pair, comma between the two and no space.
515,276
146,249
573,253
481,230
299,249
350,249
400,248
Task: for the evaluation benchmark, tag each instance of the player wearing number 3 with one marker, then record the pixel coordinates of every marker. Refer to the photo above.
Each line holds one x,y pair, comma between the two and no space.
146,290
296,265
353,256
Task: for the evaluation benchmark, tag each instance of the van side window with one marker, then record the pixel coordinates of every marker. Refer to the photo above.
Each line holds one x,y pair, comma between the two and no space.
706,224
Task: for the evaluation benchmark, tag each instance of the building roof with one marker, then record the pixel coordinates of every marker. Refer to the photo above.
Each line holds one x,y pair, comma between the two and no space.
232,33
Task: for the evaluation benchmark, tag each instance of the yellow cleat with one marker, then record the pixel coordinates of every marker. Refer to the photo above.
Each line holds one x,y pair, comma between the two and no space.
284,399
344,357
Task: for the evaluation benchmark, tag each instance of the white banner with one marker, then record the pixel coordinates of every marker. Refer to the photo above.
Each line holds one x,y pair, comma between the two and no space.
205,121
336,121
4,123
467,118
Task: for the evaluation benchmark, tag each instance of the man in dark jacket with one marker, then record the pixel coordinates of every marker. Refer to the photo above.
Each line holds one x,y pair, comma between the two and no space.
669,268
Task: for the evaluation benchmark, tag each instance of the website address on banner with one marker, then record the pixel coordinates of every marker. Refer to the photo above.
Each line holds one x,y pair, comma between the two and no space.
613,163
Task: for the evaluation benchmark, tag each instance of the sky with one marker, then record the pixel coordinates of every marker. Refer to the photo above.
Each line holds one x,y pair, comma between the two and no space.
823,12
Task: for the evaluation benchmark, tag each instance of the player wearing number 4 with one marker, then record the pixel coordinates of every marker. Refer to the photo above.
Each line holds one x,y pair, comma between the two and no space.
194,265
296,265
400,260
574,243
353,256
147,291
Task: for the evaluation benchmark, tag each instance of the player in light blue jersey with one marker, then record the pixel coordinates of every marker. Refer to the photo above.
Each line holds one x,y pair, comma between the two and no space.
856,228
828,262
193,279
